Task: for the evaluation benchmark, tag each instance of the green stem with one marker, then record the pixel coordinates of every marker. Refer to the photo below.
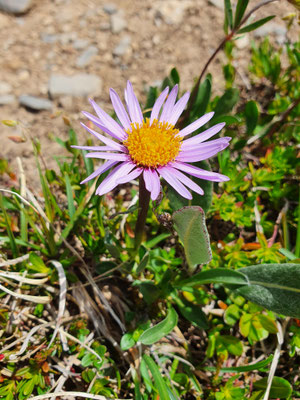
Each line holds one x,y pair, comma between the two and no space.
297,250
144,200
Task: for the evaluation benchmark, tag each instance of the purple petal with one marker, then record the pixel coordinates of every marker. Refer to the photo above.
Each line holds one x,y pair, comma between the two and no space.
158,104
119,109
109,156
178,108
196,124
104,167
190,156
199,172
96,121
155,185
186,145
186,181
109,142
133,105
201,137
148,179
109,122
95,148
169,104
166,173
110,182
129,177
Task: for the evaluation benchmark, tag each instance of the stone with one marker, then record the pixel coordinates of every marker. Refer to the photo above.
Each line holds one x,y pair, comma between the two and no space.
80,44
104,26
86,57
35,103
117,23
5,88
172,11
49,38
272,29
7,99
110,8
217,3
15,6
79,85
122,47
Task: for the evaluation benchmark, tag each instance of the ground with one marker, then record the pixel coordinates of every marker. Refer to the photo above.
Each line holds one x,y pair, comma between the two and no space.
154,35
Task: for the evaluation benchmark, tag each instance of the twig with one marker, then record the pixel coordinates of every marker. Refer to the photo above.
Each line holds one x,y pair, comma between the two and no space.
277,223
228,37
280,339
72,394
15,260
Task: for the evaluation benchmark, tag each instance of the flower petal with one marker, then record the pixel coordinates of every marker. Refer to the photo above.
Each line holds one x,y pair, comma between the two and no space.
174,182
119,109
206,145
201,137
155,185
178,108
108,156
109,142
109,122
129,177
169,104
96,121
147,179
190,156
196,124
186,181
158,104
199,172
110,182
133,105
104,167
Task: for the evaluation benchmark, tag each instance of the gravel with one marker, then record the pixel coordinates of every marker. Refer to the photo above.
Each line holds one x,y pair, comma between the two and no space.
79,85
35,103
86,57
118,23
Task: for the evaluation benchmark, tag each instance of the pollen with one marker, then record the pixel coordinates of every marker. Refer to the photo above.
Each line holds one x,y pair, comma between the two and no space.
153,145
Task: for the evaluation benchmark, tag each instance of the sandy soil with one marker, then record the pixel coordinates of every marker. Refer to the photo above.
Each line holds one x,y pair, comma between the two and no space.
53,34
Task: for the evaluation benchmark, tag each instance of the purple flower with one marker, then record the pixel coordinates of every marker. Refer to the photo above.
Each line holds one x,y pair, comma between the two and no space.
152,147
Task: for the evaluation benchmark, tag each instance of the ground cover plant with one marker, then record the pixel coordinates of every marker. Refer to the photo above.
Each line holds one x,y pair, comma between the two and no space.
117,288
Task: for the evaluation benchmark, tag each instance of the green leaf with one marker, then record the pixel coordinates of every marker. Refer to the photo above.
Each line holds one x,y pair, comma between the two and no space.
280,389
143,264
228,13
69,190
127,341
175,76
232,344
160,330
149,291
160,384
38,264
13,244
273,286
176,201
240,11
217,275
251,115
287,253
267,323
251,367
153,242
226,102
232,314
191,312
255,25
189,222
202,98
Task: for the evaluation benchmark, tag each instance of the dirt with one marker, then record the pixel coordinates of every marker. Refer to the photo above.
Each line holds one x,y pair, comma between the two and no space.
184,38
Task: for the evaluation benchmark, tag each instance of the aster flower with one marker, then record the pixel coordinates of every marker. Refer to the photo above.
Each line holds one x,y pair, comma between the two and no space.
152,147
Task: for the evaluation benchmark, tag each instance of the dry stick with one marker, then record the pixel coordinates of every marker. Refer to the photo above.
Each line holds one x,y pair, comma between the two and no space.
194,93
284,210
72,394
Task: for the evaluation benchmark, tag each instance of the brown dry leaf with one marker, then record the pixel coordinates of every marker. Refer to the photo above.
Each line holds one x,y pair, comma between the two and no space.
17,139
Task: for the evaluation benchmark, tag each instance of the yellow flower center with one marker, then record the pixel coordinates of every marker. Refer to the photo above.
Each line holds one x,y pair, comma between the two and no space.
153,145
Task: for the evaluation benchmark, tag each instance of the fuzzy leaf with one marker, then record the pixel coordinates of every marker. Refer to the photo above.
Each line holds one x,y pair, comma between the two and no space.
280,389
189,222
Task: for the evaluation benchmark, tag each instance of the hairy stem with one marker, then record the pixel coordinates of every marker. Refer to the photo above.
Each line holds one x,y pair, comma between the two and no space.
144,200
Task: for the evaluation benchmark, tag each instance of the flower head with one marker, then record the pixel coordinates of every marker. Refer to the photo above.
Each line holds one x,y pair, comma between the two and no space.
153,147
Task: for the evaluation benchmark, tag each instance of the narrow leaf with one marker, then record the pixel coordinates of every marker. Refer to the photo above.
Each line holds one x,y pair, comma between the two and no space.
158,331
217,275
228,13
255,25
240,11
245,368
160,384
251,115
69,190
